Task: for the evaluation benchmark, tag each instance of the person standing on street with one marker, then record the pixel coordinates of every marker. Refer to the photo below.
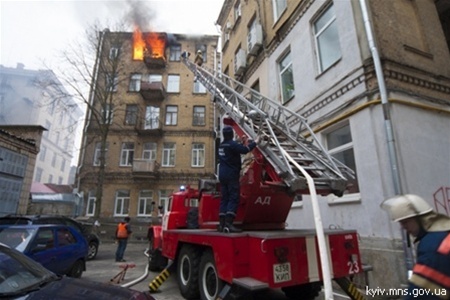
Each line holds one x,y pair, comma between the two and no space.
229,173
123,232
430,277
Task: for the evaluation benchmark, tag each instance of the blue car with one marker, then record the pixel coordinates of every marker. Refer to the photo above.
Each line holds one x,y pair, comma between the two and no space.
59,248
22,278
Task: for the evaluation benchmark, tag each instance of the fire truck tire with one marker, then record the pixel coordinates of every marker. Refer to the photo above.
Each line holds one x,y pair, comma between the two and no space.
307,291
154,259
210,283
188,262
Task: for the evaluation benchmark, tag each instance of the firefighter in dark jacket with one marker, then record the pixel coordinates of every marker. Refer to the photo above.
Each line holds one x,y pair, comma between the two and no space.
229,172
123,232
430,277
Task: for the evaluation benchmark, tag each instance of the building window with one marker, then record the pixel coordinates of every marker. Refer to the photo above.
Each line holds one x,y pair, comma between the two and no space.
171,115
163,206
175,53
340,146
57,136
111,82
98,153
199,116
168,159
149,151
154,78
237,11
198,155
54,159
107,113
90,206
38,176
63,165
131,114
48,126
279,6
60,180
50,178
42,153
151,117
127,154
122,203
135,83
173,83
327,39
113,53
199,88
286,77
145,203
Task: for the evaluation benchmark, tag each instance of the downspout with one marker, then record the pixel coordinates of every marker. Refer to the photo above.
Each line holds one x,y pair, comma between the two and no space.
91,101
392,152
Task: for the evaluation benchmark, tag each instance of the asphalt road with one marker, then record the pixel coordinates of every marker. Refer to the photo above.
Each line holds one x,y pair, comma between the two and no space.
104,269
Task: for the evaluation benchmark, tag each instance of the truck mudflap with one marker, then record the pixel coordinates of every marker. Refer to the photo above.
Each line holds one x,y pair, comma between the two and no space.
350,289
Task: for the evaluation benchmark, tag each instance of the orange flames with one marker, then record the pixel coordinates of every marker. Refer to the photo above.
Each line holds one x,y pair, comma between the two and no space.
149,44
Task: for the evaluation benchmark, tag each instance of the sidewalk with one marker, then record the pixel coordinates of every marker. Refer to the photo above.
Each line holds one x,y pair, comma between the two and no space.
103,268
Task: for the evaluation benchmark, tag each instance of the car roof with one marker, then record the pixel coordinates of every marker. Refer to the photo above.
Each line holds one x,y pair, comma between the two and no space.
33,226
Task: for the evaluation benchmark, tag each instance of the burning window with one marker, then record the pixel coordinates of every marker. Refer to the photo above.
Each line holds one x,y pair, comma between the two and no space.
149,44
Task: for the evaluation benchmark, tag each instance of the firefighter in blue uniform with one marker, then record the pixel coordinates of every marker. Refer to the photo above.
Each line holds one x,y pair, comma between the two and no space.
431,273
229,172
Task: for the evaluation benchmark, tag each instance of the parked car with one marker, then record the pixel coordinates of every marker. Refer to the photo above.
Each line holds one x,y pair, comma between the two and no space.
91,238
59,248
23,278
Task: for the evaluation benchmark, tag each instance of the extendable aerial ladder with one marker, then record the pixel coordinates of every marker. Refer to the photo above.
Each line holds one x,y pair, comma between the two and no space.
287,140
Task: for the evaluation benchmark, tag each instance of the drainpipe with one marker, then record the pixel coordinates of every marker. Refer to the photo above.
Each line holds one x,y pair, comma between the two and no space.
388,127
91,101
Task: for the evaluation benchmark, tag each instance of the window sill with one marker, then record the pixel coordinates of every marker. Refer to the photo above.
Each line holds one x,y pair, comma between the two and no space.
346,199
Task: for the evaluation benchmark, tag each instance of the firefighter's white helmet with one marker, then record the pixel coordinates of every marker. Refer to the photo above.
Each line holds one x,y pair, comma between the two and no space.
406,206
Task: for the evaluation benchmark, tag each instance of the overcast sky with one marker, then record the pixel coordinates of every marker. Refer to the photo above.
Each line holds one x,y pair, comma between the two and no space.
35,31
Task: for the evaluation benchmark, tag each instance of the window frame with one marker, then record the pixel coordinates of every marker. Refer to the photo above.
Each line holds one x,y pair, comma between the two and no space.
91,202
198,155
317,33
283,69
175,52
199,117
347,197
278,10
123,201
152,150
168,154
126,154
135,82
173,83
131,112
97,153
171,117
147,201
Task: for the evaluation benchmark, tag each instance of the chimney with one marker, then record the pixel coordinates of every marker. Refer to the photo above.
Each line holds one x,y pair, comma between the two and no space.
20,66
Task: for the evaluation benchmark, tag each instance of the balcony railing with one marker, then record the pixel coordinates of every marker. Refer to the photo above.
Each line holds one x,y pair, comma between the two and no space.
153,91
145,166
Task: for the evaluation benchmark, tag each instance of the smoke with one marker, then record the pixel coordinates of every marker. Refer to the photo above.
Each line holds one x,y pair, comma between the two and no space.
139,14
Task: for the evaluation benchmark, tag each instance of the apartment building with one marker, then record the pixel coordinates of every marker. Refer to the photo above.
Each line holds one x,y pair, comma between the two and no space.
19,146
37,97
373,80
160,124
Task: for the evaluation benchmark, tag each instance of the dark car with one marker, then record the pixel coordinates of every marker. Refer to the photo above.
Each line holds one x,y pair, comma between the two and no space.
91,238
59,248
23,278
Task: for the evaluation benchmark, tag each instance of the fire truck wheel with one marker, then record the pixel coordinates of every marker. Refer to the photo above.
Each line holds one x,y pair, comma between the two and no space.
307,291
188,262
210,283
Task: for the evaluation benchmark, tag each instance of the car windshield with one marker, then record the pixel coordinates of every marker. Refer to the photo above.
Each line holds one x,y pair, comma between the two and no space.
19,273
17,238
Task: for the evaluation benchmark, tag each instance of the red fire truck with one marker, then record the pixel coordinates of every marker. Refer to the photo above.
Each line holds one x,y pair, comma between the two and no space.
288,162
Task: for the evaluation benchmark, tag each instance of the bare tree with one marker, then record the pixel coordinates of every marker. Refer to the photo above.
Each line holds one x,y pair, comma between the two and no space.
91,74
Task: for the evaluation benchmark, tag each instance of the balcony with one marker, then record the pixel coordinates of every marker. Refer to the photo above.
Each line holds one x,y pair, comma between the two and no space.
149,128
145,167
153,62
153,91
